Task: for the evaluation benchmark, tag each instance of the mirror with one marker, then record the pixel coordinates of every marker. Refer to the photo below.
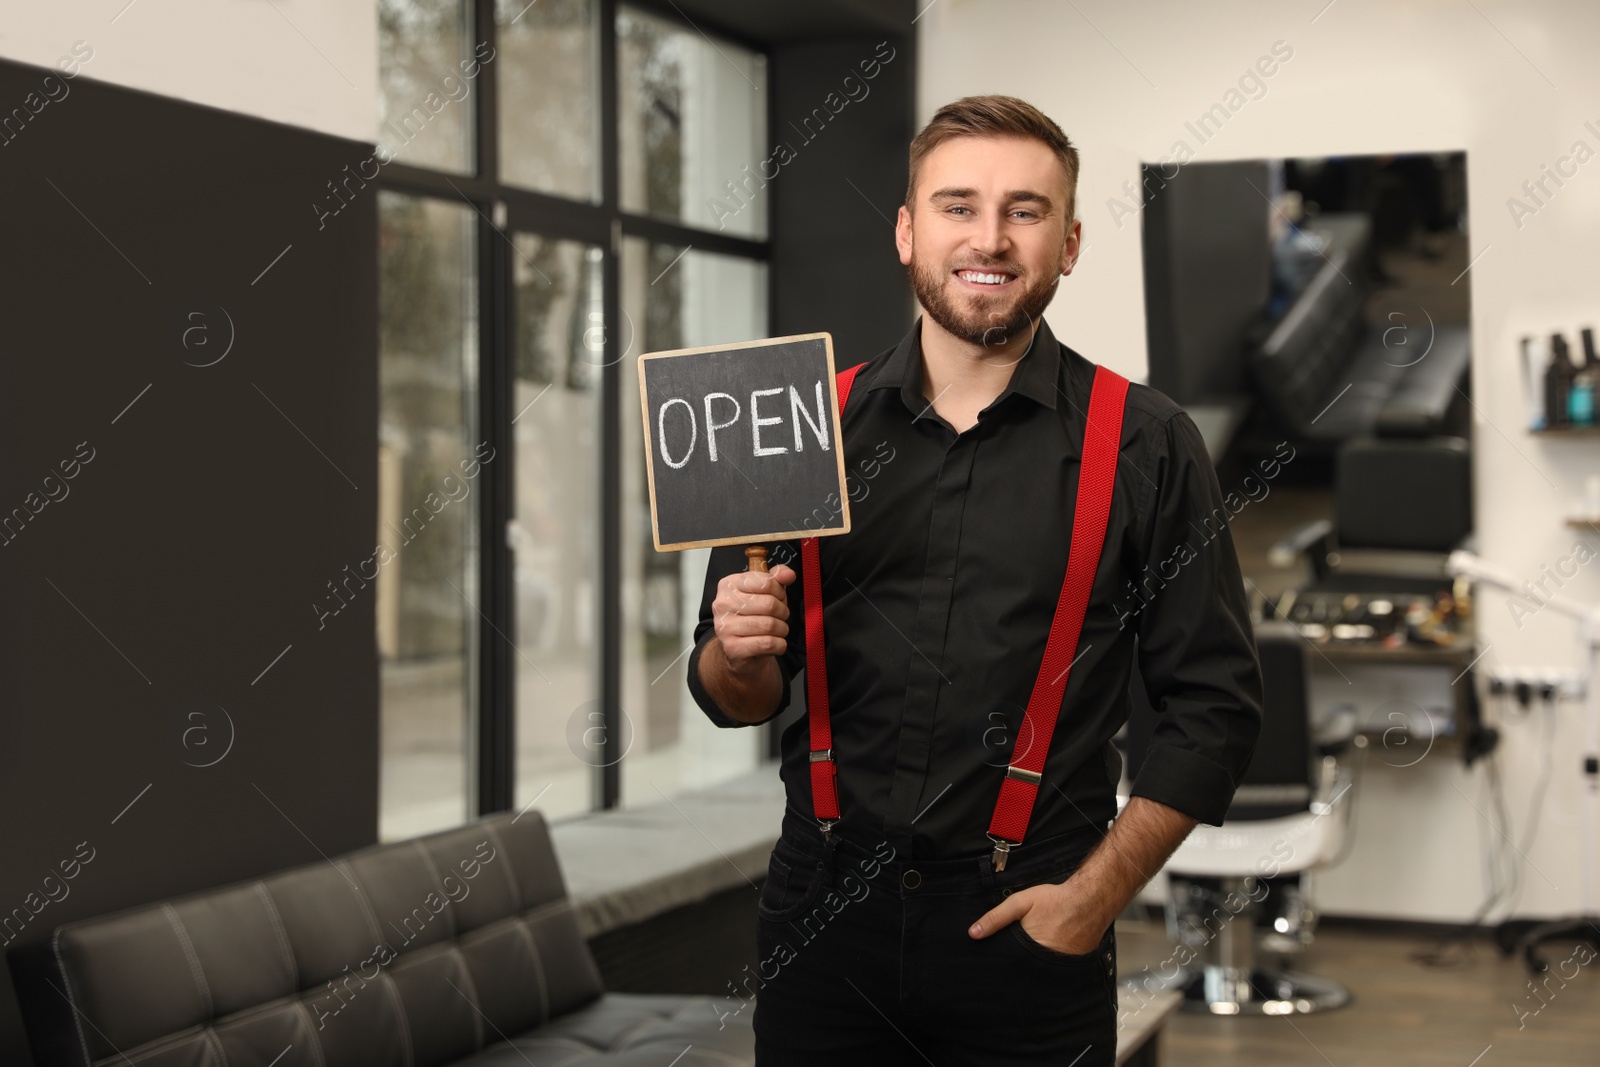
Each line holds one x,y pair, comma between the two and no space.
1313,318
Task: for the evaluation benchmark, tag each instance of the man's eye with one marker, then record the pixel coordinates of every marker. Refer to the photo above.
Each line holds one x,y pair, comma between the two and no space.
1024,214
959,209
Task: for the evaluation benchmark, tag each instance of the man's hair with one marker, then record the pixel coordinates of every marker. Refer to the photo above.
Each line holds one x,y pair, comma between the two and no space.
993,116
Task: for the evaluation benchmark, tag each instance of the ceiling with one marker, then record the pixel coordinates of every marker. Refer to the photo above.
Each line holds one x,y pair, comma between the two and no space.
770,22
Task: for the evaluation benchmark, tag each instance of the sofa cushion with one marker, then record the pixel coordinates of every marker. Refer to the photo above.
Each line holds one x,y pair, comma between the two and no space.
634,1030
1420,404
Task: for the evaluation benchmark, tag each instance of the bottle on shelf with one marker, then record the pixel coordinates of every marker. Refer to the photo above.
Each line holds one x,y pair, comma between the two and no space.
1558,378
1532,381
1580,398
1586,386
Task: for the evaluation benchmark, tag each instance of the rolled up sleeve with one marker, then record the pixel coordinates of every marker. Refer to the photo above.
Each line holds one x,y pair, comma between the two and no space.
1197,651
726,560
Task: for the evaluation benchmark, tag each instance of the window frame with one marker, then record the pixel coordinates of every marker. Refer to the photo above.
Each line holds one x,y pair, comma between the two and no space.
504,210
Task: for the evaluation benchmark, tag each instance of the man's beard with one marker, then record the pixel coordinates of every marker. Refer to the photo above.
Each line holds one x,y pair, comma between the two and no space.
985,320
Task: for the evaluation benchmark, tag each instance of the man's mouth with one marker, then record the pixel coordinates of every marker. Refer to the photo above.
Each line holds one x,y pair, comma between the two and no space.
986,279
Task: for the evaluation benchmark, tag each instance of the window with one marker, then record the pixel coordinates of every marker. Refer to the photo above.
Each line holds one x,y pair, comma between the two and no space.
677,298
692,124
558,347
567,185
421,117
427,528
549,69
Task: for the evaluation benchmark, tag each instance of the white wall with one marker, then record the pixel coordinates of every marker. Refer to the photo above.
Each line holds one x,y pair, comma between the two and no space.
311,63
1513,87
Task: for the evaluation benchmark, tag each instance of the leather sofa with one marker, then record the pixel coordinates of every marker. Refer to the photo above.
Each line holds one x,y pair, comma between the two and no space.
1325,375
456,948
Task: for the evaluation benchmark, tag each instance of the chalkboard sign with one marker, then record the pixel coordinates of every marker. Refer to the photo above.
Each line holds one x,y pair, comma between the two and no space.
743,442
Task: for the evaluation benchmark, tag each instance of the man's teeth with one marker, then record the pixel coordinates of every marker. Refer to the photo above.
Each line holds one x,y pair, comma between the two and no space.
985,279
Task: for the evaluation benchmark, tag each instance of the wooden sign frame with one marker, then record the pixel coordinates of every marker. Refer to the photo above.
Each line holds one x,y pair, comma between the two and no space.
838,437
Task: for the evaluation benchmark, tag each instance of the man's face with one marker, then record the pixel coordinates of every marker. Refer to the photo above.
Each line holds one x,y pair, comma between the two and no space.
990,236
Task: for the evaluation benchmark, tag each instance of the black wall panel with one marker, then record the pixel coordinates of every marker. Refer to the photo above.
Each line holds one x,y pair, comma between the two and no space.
1208,262
156,607
833,204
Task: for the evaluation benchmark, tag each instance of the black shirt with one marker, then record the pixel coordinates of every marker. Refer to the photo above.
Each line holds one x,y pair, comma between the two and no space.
938,603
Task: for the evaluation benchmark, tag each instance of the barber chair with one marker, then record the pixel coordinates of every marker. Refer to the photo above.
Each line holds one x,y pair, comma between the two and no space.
1378,568
1238,892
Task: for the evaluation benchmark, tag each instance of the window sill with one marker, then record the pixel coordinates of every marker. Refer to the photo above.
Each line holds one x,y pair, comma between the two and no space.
627,865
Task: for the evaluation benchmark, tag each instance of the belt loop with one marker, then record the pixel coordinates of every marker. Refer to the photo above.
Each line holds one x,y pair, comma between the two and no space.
986,873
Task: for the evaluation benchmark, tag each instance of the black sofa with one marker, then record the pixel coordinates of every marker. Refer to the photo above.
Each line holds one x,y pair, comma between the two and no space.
1325,374
456,948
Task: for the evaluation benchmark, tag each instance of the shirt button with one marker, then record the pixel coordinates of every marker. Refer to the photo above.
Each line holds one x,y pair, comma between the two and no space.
911,879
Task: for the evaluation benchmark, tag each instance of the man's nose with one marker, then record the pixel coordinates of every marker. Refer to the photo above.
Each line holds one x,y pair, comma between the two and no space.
989,236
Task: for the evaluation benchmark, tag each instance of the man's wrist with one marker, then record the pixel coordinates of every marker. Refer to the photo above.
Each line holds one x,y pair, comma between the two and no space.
1136,847
744,669
1094,905
733,687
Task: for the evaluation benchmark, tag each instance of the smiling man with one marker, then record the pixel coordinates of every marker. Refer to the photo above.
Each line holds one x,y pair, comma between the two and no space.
951,858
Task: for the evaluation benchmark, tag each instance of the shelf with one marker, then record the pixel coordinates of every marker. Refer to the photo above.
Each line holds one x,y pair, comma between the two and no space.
1565,431
1458,654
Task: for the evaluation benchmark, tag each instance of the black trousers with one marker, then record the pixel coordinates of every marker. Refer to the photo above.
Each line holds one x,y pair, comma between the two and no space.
865,959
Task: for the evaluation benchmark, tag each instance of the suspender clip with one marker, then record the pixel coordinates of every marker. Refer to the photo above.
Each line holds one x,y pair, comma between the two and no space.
1002,848
827,830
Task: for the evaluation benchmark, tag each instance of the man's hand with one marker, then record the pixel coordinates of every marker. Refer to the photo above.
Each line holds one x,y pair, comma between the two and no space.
739,666
1075,913
1057,916
751,614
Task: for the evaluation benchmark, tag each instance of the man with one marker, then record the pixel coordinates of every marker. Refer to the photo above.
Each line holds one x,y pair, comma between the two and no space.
901,928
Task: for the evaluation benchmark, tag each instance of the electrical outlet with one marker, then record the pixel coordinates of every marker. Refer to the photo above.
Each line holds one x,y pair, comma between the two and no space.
1563,683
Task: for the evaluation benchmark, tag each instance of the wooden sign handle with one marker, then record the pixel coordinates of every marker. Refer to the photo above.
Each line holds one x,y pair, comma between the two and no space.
756,558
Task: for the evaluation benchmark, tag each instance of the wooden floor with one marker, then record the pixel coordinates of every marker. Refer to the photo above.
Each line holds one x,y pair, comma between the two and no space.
1401,1012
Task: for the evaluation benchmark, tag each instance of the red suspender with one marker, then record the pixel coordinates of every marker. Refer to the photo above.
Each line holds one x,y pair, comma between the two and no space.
824,772
1102,438
1020,786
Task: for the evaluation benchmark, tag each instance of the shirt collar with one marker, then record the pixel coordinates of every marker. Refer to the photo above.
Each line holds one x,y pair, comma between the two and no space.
1035,376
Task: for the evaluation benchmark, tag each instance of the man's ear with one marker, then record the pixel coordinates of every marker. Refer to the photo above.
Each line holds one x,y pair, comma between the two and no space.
902,235
1070,248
